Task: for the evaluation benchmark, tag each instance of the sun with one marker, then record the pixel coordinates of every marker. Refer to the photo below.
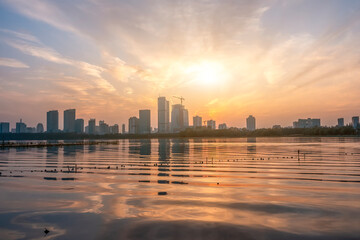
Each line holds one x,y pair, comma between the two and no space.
206,72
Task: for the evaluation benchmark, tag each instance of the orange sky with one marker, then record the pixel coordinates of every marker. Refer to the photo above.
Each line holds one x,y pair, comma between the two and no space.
277,60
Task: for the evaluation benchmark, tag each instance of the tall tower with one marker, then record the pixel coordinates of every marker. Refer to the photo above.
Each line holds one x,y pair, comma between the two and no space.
52,121
163,115
177,118
92,126
250,123
197,122
69,120
144,122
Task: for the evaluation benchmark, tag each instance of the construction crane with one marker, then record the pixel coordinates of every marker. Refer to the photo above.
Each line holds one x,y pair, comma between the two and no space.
181,99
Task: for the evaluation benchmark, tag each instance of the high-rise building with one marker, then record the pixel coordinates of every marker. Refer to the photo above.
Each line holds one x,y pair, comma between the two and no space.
163,115
197,122
69,120
250,123
186,118
211,124
30,130
103,128
114,129
355,121
222,126
79,125
340,122
144,122
177,118
307,123
39,128
4,127
92,126
52,121
20,127
133,125
123,131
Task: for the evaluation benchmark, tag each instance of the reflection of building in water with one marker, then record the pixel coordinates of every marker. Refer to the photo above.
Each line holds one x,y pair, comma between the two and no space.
180,146
164,149
52,156
145,147
251,146
140,147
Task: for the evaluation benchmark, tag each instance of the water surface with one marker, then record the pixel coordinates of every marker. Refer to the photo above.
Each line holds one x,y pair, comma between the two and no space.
214,188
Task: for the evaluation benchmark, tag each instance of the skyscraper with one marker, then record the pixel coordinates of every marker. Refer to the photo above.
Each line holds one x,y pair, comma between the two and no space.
250,123
69,120
144,122
114,129
340,122
123,131
133,125
163,115
52,121
197,122
355,121
211,124
307,123
186,118
92,126
39,128
103,128
177,118
4,127
222,126
20,127
79,125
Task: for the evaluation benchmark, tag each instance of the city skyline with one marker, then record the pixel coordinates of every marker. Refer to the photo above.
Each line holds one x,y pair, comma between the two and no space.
233,60
179,121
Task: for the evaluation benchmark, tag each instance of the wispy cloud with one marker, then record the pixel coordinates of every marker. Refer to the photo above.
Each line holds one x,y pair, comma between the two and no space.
9,62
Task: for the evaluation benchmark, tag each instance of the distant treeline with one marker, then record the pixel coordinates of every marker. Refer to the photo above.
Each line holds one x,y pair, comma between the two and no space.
202,132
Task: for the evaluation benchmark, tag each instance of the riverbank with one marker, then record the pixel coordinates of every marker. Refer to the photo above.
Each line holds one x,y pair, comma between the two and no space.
191,133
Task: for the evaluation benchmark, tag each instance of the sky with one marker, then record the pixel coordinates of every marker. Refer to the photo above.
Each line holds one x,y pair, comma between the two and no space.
278,60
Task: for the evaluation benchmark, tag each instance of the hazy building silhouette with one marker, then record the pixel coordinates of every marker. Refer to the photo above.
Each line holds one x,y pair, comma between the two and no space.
144,122
186,118
103,128
179,118
341,122
163,115
114,129
30,130
92,126
69,120
355,121
39,128
4,127
123,131
133,125
222,126
79,125
52,121
211,124
197,122
307,123
250,123
276,127
20,127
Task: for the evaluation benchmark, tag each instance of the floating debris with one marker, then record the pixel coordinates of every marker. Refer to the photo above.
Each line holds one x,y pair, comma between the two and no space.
46,231
162,193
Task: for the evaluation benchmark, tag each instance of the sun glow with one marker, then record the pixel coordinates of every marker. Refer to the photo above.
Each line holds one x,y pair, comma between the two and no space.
206,72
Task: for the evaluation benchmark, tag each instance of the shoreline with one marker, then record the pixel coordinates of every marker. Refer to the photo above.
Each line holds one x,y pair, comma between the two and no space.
111,141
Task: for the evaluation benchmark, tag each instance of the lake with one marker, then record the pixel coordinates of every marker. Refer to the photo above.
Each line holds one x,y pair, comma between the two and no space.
201,188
